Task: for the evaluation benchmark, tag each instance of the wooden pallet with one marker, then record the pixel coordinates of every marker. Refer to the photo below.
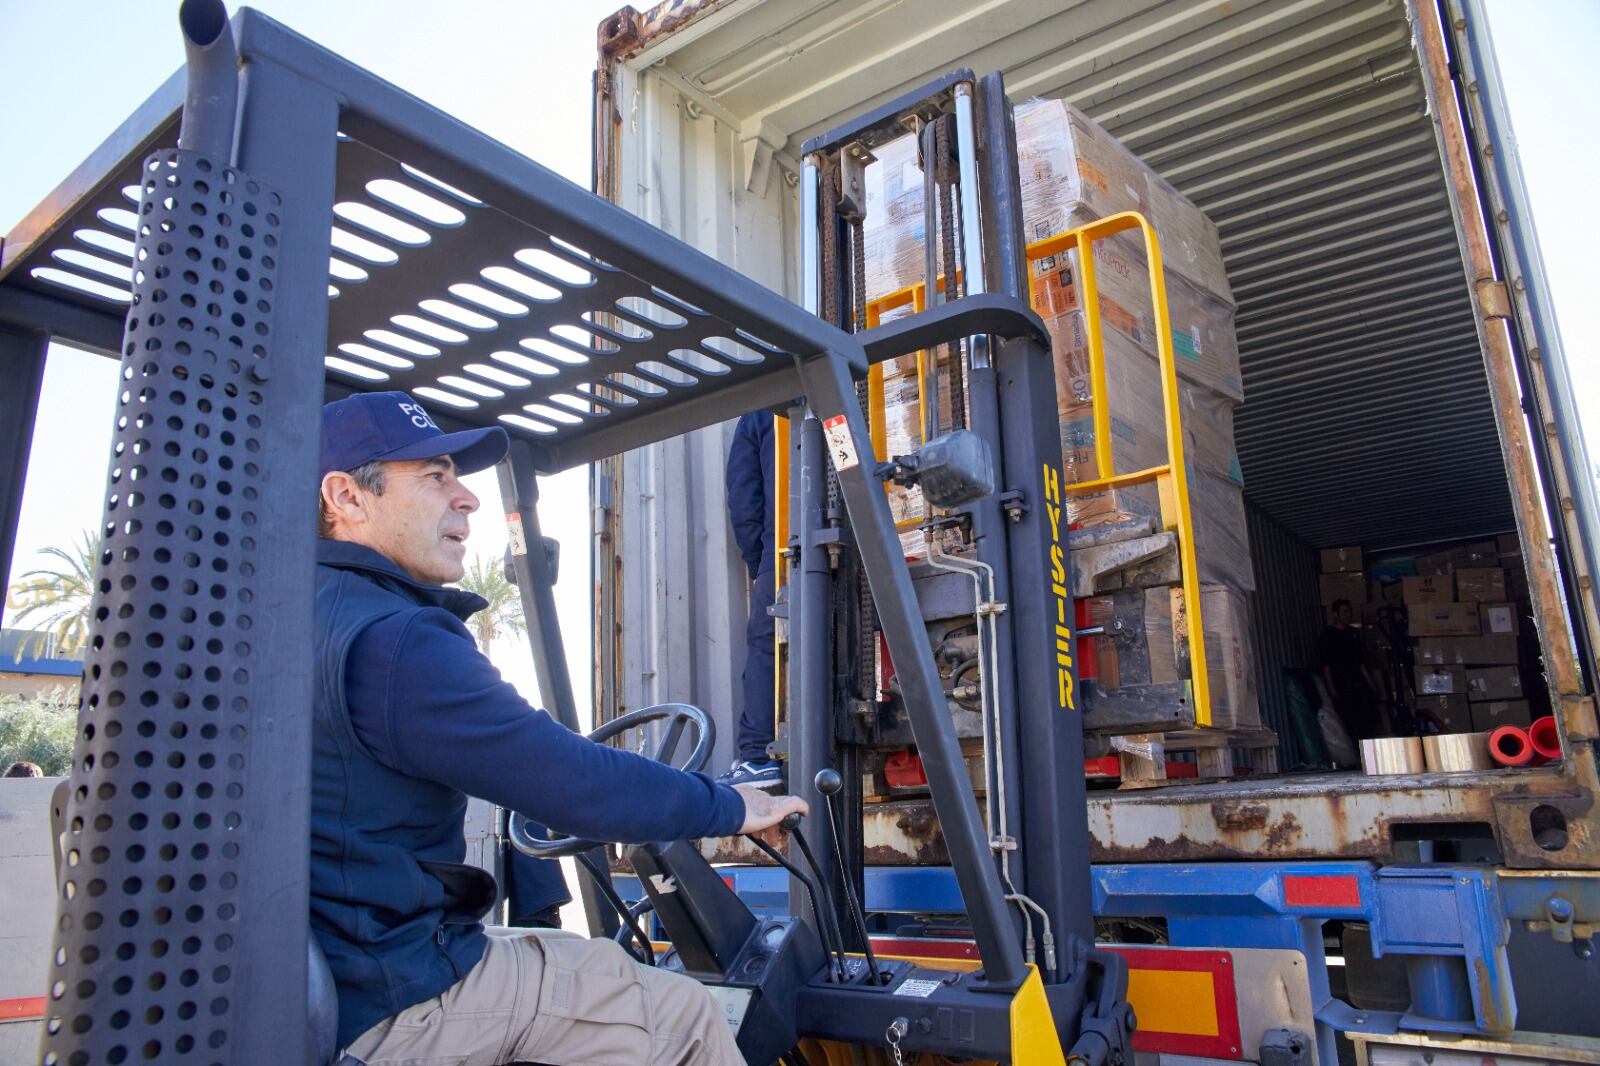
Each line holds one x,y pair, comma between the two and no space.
1145,765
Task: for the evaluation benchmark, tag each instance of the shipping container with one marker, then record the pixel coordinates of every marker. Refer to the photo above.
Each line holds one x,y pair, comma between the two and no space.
1404,384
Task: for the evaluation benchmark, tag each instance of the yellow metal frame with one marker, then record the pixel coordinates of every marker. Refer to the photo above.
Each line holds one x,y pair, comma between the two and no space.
1171,478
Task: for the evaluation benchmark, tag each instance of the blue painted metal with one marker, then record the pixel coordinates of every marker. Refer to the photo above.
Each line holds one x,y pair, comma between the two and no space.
1439,987
1451,923
19,650
1449,913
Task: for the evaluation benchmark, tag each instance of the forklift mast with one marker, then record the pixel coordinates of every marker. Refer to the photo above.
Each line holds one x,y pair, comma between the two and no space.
1023,861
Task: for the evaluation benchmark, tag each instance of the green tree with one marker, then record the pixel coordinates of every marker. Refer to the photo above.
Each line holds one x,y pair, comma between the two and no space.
39,730
504,613
59,597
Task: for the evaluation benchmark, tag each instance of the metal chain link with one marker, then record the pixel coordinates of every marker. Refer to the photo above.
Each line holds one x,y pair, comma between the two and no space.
897,1029
944,135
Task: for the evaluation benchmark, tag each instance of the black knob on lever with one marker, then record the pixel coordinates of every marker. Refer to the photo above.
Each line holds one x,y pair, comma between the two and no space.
791,822
828,782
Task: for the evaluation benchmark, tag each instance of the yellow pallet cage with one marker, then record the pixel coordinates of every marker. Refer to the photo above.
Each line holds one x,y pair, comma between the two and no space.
1171,478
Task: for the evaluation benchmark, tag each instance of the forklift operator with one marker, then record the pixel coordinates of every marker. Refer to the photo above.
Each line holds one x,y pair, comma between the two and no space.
410,718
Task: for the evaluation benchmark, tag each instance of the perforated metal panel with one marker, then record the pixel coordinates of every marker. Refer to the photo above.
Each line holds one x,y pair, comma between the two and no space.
493,316
145,963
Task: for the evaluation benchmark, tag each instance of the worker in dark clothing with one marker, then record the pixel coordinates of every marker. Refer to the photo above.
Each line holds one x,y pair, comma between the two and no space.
408,717
751,506
1343,664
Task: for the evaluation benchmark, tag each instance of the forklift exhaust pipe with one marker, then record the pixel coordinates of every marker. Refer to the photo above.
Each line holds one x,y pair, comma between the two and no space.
211,100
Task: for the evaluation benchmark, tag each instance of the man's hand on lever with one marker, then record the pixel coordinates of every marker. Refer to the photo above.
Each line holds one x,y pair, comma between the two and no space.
763,811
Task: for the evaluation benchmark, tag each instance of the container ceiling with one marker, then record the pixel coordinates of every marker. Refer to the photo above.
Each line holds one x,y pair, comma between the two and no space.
1300,126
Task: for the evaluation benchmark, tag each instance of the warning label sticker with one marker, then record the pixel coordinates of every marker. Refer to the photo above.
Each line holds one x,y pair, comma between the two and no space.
912,986
515,537
840,444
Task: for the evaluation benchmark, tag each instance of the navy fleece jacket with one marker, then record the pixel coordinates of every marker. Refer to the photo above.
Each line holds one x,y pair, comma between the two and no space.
426,702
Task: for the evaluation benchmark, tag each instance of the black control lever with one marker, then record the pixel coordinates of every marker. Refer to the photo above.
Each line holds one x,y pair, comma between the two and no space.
829,912
828,783
832,941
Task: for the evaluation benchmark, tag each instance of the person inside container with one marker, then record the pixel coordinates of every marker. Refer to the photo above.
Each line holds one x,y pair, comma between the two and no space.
409,718
751,507
1342,662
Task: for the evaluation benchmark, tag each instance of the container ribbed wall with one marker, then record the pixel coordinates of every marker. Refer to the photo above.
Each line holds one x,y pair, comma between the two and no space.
1285,618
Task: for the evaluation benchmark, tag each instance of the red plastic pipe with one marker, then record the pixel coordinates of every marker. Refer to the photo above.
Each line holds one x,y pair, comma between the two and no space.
1544,738
1509,746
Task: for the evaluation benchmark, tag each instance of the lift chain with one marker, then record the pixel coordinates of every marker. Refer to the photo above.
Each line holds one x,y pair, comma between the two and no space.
946,177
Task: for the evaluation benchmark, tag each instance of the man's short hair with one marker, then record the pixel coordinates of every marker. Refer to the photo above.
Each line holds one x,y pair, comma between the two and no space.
24,769
1336,604
368,475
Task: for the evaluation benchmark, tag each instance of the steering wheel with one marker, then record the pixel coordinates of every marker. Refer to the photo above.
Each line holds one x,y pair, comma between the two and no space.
679,717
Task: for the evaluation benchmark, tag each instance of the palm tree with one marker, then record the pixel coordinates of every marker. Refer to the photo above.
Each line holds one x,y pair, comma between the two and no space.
504,613
63,594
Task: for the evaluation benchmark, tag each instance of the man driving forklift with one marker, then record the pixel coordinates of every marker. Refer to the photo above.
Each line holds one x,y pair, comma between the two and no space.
410,718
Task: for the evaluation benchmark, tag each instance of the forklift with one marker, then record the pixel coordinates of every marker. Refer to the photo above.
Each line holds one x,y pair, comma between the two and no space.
182,926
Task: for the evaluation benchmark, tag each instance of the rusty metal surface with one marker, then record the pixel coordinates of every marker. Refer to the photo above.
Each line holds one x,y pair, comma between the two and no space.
1311,816
1506,392
630,31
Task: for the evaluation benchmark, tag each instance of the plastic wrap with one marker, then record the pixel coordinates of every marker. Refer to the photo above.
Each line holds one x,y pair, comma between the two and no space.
1230,654
1073,172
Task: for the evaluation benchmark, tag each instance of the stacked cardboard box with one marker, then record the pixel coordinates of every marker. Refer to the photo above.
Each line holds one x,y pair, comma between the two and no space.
1073,173
1465,606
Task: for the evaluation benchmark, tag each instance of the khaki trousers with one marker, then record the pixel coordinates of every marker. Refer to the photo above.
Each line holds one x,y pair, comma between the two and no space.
551,997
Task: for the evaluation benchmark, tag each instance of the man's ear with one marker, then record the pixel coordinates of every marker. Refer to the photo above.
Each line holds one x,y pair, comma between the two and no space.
341,498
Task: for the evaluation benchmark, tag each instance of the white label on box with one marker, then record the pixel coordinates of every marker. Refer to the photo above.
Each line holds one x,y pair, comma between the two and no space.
1500,619
515,537
912,986
1437,684
840,444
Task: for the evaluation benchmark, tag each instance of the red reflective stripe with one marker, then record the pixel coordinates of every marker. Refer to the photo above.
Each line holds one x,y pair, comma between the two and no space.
1318,891
27,1007
952,948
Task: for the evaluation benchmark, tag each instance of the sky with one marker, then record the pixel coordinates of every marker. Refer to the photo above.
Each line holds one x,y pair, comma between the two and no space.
521,73
518,71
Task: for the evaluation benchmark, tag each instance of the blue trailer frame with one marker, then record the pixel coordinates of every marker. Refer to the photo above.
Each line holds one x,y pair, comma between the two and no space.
1450,922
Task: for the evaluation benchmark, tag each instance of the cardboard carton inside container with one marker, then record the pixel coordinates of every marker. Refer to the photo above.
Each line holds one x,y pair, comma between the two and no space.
1492,714
1481,584
1150,646
1201,326
1501,618
1429,589
1341,560
1492,683
1352,587
1441,680
1500,649
1134,401
1452,711
1445,620
1074,172
1230,664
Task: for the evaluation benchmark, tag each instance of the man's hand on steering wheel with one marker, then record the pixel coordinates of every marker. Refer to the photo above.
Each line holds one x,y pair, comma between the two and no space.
763,811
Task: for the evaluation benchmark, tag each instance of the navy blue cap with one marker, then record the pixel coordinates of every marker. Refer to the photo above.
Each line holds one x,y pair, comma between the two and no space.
392,426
